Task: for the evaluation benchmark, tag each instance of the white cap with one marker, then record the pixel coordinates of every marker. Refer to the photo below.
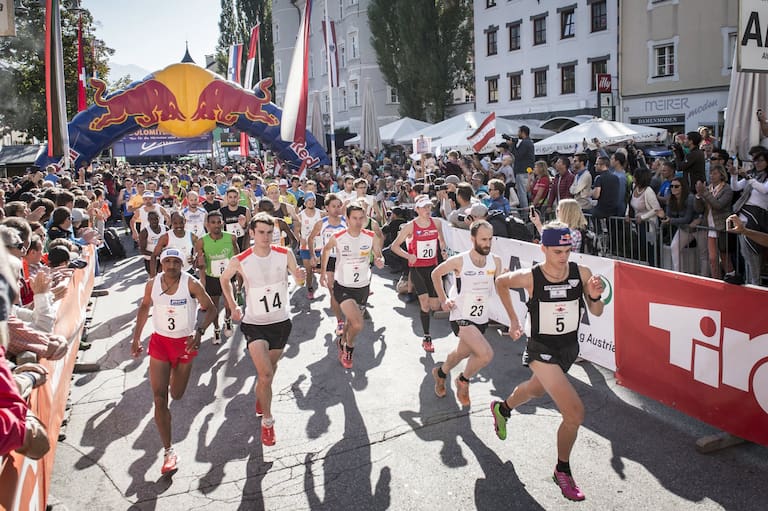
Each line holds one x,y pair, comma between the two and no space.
424,202
171,252
283,182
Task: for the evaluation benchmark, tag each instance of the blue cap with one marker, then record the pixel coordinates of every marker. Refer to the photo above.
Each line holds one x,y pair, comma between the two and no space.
309,196
556,237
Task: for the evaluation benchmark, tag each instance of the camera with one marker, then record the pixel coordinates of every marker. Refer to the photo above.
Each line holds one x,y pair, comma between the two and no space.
461,218
506,137
440,188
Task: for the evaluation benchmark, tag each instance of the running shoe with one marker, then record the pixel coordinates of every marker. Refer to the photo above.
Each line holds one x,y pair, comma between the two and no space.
499,421
339,328
268,434
228,327
310,294
259,410
426,343
216,336
170,460
340,346
346,359
567,485
462,391
439,383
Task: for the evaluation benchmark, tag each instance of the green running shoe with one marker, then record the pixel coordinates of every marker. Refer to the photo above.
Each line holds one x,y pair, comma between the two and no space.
499,421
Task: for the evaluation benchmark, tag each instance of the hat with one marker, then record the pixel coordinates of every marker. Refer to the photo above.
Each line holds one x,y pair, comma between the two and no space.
171,252
424,202
556,237
476,210
78,215
310,196
148,194
283,182
497,160
453,179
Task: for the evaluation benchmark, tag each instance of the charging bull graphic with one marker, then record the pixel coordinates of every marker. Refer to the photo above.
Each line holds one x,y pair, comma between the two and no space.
184,100
148,103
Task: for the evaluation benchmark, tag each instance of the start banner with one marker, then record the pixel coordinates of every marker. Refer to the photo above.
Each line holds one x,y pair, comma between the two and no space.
596,334
695,344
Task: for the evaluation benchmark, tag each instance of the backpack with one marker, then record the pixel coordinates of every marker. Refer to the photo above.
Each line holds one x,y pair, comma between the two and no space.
590,243
517,229
112,244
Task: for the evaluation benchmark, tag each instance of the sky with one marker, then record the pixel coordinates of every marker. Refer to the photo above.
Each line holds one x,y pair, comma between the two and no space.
151,33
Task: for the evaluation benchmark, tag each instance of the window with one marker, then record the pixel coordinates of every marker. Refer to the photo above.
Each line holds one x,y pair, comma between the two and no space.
493,90
491,36
539,30
540,83
311,65
514,36
278,72
469,97
664,60
354,48
568,79
392,96
599,67
341,9
355,94
490,3
353,2
342,56
599,16
568,23
343,99
515,86
730,50
276,33
326,102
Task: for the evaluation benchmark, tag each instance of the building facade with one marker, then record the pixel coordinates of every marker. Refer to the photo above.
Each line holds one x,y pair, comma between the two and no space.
537,59
676,58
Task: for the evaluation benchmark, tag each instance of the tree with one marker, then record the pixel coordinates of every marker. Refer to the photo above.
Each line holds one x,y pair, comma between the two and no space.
22,68
423,48
237,19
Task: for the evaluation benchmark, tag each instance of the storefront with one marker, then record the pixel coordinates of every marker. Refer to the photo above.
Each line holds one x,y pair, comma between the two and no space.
682,112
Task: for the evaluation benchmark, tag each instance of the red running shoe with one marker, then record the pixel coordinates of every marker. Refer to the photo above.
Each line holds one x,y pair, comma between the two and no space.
268,435
346,359
170,460
426,343
568,486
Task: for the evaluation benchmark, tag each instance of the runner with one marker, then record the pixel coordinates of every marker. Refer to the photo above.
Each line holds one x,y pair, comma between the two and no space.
321,233
140,215
265,322
475,271
557,289
352,275
173,296
425,234
194,214
151,232
214,250
178,237
211,203
236,217
282,235
308,217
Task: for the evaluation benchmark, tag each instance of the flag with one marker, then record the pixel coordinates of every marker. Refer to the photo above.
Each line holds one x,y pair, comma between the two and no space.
484,133
293,126
55,98
251,62
93,54
233,66
330,46
81,101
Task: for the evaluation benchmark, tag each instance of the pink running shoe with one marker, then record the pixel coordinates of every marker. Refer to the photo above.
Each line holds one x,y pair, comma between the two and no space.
568,486
170,461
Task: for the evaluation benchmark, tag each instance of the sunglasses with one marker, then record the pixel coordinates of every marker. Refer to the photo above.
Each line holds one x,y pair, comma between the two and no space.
674,186
715,158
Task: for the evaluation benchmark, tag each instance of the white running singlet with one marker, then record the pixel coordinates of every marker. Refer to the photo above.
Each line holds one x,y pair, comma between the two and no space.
184,244
266,284
173,315
353,258
153,237
477,287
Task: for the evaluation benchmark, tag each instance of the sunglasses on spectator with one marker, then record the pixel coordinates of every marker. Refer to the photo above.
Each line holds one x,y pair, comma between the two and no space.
715,158
674,186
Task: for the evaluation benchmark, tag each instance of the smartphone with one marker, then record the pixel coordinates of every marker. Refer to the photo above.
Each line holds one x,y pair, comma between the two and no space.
731,225
532,211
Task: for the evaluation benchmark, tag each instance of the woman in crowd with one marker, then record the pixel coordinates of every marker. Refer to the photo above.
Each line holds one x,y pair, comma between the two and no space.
680,215
716,199
752,209
644,208
569,213
538,187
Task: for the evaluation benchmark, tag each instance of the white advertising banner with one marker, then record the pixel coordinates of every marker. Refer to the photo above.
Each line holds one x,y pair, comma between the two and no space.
596,334
752,39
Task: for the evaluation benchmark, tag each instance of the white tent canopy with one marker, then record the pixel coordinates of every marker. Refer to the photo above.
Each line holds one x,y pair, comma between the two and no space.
394,130
607,132
452,133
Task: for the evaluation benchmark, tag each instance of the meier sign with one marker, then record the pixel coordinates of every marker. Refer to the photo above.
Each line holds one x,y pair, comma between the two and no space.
752,42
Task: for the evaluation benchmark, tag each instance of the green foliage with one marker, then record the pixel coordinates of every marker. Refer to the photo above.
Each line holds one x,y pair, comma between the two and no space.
22,68
237,19
423,48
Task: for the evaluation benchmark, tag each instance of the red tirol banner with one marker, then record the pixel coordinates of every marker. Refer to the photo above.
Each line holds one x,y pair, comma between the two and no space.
697,345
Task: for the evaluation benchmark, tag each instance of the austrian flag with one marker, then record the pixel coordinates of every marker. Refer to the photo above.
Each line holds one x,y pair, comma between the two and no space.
484,133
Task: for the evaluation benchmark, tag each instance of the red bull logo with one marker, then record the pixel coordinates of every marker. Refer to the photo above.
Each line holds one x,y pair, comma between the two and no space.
149,103
224,102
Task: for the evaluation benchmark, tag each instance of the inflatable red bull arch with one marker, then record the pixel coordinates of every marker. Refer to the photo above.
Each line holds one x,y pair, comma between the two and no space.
184,100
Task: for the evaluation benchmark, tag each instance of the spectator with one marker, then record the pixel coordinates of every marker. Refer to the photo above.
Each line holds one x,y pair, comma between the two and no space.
540,184
561,186
693,166
717,199
605,190
498,202
667,173
568,212
581,189
524,153
752,209
465,196
680,214
644,209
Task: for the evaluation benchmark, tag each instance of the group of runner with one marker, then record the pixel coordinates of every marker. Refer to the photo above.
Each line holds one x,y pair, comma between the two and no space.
246,258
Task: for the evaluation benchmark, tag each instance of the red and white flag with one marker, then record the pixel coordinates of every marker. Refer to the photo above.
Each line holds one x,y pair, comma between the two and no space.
484,133
81,99
253,49
293,126
331,52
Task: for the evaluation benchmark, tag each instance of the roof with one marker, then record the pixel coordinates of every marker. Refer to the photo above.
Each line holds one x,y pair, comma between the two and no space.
19,154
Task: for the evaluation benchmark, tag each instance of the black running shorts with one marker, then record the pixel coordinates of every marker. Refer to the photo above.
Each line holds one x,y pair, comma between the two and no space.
276,334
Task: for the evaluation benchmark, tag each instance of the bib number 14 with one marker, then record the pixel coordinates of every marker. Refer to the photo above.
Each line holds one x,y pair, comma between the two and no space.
275,303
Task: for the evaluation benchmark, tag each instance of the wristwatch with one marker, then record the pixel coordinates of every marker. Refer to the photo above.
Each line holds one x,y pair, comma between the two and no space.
594,299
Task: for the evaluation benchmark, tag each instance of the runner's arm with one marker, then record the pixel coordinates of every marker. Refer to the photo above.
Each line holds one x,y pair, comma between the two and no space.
378,257
396,246
453,264
200,263
141,318
206,304
441,238
593,288
288,232
520,279
232,269
235,246
299,273
161,244
143,242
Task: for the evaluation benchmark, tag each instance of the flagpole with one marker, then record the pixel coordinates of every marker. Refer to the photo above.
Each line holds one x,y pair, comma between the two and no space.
258,49
330,88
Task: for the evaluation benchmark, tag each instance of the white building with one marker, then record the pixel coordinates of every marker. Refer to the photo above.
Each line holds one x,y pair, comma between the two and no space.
538,59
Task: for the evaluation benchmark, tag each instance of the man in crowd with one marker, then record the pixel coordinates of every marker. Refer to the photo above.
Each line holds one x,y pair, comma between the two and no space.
524,154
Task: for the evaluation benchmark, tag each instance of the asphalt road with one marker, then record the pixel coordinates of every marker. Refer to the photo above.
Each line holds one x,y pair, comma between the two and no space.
374,437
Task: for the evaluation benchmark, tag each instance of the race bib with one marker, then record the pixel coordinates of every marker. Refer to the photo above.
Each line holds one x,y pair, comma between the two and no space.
355,273
327,235
277,236
176,318
557,318
235,229
475,307
426,249
267,299
218,266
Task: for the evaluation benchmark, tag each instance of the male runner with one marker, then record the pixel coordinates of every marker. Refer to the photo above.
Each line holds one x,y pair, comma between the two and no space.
265,322
352,275
424,233
140,215
321,233
214,250
475,271
194,214
178,237
151,232
236,217
308,217
557,290
173,296
282,235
